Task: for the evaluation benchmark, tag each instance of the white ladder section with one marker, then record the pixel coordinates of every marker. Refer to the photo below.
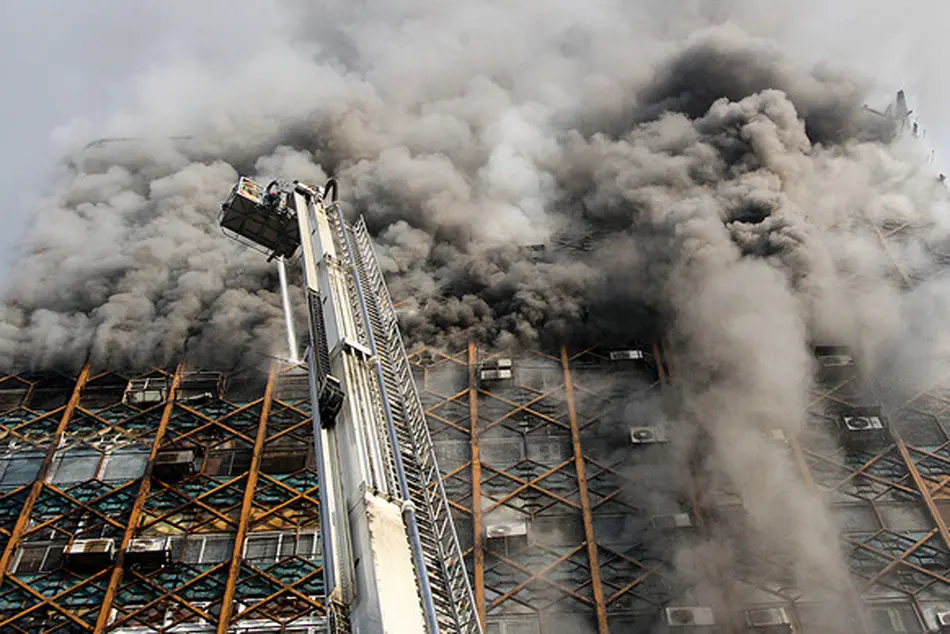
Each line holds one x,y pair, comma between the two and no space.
445,567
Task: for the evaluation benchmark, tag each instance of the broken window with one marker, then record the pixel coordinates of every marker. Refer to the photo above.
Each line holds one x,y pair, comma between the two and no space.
246,388
199,386
20,469
102,392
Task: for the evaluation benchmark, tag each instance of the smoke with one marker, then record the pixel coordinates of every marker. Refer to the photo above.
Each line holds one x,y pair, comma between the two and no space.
688,174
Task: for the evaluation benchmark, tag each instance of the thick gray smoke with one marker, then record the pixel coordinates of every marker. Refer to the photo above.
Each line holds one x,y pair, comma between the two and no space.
731,198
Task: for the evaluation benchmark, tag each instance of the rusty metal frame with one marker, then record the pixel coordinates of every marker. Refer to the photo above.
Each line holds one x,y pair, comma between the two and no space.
600,605
478,550
227,603
145,485
37,487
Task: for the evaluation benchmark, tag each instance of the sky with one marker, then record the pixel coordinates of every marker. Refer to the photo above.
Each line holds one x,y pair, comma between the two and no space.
72,66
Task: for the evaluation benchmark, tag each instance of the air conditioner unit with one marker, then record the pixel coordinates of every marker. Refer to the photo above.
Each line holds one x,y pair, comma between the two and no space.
771,620
647,435
863,427
90,553
626,355
502,530
171,466
146,392
690,617
863,423
495,374
943,621
836,361
498,369
671,521
147,552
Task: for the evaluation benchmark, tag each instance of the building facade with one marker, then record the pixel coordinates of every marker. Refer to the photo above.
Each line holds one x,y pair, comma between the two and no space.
184,501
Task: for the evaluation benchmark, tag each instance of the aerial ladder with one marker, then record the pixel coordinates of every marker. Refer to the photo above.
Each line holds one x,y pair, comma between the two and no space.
392,562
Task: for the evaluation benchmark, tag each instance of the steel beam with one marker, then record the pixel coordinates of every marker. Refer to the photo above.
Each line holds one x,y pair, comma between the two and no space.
23,522
598,588
924,491
478,548
144,487
230,588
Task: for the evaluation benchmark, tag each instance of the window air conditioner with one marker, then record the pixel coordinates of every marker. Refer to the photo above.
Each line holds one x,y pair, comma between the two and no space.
147,552
671,521
690,617
772,620
171,466
647,435
90,553
863,423
626,355
500,530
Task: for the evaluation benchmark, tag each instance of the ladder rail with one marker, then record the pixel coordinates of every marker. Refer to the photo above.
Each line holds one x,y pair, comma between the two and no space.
436,513
341,233
429,600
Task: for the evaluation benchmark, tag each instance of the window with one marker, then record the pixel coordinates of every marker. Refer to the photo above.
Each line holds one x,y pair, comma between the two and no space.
897,618
616,529
228,463
513,625
549,451
272,547
293,386
11,394
503,451
558,530
207,549
84,464
75,465
280,462
452,453
124,465
905,517
32,559
20,469
855,518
